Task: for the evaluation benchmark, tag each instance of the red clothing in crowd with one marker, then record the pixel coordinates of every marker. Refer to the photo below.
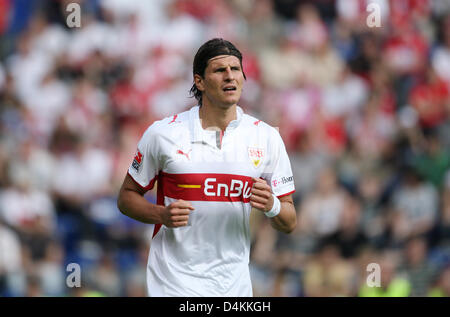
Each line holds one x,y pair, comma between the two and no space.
5,12
429,101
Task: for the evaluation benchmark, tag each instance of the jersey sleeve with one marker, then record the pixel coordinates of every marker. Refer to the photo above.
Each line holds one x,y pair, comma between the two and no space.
146,164
279,174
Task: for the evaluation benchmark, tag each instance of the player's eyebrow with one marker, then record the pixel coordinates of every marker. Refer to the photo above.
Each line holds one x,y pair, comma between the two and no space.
222,67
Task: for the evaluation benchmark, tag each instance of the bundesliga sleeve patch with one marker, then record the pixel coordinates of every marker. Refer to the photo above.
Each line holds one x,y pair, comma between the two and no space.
137,161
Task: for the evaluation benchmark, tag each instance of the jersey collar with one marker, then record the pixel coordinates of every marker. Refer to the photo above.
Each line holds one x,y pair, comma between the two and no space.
197,131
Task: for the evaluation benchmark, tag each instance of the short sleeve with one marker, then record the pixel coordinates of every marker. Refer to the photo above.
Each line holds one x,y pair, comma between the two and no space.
279,173
145,166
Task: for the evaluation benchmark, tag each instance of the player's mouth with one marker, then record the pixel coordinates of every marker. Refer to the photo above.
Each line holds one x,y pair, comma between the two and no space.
229,89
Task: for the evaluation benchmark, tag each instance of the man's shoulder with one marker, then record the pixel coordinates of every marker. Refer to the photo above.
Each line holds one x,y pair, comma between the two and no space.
172,127
255,123
174,122
262,129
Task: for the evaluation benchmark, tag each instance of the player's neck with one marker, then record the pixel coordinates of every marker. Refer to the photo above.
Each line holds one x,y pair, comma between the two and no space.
213,116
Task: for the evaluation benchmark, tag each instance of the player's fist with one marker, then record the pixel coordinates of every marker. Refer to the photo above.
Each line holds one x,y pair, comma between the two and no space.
177,214
261,197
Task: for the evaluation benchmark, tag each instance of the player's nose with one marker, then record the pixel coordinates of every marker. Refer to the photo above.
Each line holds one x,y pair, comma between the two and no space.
229,74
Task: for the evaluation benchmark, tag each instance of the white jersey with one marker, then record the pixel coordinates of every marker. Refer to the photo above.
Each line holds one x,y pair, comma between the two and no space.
210,256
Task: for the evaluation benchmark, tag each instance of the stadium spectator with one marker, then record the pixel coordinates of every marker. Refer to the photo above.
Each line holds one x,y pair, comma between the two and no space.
415,208
417,267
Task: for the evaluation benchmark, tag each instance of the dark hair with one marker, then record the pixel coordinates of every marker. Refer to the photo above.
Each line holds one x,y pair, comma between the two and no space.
208,50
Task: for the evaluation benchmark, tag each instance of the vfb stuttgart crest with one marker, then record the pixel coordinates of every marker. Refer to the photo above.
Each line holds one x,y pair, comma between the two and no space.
256,156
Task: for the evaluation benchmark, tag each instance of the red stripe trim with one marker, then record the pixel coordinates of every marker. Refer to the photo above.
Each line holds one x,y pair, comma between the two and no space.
159,201
148,187
286,194
156,229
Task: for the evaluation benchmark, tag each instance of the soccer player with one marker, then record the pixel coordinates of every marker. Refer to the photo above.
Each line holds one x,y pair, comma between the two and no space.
212,165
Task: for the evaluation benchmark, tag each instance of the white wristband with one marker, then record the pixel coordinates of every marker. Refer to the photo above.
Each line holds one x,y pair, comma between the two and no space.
276,208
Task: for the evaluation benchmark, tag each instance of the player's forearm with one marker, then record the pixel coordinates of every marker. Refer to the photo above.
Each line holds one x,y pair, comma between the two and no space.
135,206
286,220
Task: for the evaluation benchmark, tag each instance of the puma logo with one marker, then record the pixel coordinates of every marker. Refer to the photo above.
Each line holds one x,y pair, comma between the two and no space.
185,154
173,120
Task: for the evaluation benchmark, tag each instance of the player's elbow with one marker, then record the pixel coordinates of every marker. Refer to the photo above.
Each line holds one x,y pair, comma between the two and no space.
121,202
288,220
290,227
286,227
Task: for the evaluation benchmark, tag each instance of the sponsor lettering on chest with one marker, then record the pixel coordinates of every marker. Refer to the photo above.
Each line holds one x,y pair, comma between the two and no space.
208,187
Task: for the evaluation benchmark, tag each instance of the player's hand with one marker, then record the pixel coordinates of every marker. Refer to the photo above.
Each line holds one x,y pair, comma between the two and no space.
261,197
177,214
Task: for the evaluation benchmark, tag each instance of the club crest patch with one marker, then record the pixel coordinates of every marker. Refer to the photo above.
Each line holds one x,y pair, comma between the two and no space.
256,156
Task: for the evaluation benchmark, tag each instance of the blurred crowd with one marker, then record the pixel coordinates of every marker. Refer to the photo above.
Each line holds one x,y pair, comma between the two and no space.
364,113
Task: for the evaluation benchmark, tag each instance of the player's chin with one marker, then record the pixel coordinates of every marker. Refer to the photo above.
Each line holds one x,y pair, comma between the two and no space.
228,104
231,99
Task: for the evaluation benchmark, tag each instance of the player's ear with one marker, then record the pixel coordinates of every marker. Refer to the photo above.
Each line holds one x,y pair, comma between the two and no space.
198,80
